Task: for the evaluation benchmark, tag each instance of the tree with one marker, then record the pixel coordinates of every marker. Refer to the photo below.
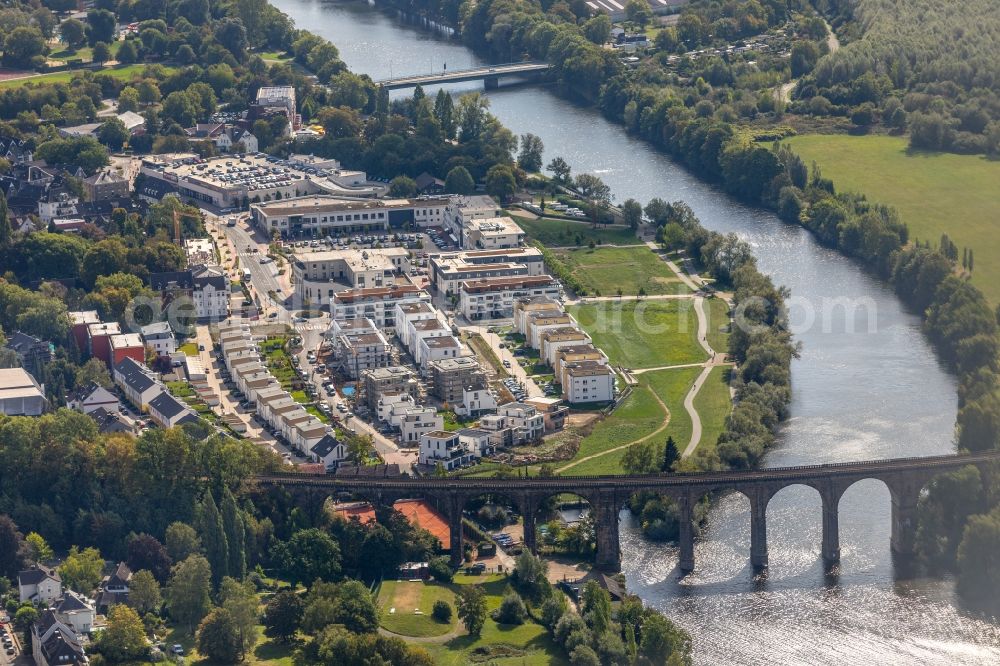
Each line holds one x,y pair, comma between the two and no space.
308,556
6,230
81,570
978,575
531,575
283,614
22,46
596,607
511,610
182,541
25,617
598,29
804,56
37,549
113,133
100,26
94,372
441,611
11,547
124,637
632,213
218,637
127,53
638,12
444,112
74,33
235,530
402,187
188,591
101,52
440,570
146,552
144,592
240,599
530,157
670,455
661,639
471,603
560,170
459,181
500,182
584,655
213,537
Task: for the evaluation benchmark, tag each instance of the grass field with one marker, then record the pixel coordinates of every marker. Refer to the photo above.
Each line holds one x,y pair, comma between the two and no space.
527,644
718,324
604,270
406,597
120,72
643,334
935,193
639,416
713,405
564,233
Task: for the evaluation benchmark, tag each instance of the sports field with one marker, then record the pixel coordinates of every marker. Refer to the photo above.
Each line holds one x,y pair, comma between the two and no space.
935,193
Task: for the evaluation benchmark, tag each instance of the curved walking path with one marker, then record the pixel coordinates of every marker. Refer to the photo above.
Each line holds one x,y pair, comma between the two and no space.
663,426
421,639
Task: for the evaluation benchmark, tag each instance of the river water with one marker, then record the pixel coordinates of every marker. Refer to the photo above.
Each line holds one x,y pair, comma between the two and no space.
865,389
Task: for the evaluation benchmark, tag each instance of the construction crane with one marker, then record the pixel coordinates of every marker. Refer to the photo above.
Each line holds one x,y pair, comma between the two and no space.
177,223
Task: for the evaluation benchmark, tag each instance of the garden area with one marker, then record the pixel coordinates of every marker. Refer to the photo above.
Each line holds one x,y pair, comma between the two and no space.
408,608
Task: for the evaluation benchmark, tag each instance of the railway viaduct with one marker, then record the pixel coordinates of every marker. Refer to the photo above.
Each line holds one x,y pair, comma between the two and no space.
904,477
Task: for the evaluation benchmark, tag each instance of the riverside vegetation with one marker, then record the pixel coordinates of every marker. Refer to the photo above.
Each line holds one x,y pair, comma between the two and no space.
909,67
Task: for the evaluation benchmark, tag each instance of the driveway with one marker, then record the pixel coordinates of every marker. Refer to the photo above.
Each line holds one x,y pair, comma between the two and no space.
515,370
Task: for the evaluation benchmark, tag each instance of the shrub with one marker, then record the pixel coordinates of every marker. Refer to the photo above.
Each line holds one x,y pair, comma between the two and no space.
511,610
440,570
441,611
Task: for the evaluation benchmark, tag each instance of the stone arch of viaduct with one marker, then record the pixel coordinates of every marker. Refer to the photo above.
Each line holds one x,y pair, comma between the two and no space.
905,478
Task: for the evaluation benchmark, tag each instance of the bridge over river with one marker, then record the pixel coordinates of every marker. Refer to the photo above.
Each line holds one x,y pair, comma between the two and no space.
904,477
490,75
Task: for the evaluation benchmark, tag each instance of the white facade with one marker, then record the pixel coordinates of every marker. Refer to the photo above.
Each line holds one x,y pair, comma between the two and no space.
588,381
39,585
211,293
494,298
436,348
160,338
379,305
415,422
444,448
94,398
476,401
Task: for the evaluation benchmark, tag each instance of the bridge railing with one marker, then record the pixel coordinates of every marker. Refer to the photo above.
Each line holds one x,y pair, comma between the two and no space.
459,72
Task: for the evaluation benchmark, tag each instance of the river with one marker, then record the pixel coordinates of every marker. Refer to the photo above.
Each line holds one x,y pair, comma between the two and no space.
868,390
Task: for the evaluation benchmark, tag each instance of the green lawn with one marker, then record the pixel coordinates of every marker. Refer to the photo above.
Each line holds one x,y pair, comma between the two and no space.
267,651
563,233
604,270
713,405
84,53
643,334
935,193
405,597
527,643
718,324
189,348
120,72
639,416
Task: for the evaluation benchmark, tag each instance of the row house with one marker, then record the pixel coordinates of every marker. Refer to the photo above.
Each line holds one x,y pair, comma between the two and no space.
137,382
168,411
126,345
90,398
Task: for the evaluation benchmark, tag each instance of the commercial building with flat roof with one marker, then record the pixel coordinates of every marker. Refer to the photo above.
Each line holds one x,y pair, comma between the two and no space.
378,303
20,393
322,215
319,275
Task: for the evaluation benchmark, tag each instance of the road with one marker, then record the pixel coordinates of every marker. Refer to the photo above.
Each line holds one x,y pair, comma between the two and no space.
515,370
263,277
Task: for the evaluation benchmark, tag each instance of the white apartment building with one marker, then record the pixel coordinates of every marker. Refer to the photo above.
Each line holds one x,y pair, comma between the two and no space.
587,381
319,275
492,233
437,348
379,304
160,338
212,292
407,314
493,298
448,270
461,210
476,401
324,215
444,448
